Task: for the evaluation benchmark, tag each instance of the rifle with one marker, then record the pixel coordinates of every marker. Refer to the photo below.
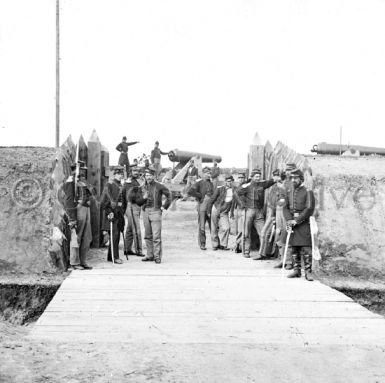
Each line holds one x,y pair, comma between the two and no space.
286,248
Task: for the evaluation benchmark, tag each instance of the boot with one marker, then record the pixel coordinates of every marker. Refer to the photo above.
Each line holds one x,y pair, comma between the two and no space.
309,275
278,265
289,266
295,274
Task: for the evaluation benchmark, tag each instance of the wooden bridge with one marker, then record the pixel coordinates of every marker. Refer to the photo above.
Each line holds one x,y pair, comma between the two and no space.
217,298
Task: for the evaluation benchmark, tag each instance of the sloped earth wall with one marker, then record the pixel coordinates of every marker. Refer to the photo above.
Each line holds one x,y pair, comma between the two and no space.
350,212
26,197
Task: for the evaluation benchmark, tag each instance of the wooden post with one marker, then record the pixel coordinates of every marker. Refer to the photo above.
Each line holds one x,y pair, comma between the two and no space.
94,164
257,158
83,150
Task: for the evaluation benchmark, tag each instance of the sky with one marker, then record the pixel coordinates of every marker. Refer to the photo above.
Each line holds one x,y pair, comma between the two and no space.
197,75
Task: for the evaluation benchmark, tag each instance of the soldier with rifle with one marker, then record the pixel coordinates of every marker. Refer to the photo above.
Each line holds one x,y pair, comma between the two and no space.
131,198
112,205
238,212
298,209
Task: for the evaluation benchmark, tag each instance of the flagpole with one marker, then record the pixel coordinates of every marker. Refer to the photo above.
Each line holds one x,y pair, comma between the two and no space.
57,138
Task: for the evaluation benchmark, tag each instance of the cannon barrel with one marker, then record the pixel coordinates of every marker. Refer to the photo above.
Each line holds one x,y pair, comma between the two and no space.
325,148
177,155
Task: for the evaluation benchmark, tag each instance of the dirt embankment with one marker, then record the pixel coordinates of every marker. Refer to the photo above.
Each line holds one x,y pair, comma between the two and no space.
25,208
350,194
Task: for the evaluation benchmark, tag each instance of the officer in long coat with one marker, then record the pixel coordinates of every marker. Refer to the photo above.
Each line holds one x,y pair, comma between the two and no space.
113,208
299,207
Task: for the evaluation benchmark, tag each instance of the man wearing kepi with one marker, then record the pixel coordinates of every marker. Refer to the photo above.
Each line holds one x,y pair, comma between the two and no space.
152,215
299,207
221,201
123,149
131,198
254,199
112,205
203,190
238,212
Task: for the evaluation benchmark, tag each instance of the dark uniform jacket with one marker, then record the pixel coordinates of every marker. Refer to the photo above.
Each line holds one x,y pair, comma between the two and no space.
218,200
215,172
200,189
156,153
69,199
191,172
112,202
131,193
155,192
299,206
254,194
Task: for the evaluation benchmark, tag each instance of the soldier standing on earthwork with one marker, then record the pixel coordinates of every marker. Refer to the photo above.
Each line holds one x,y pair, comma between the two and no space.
112,205
299,207
203,190
131,198
254,198
123,149
153,192
156,155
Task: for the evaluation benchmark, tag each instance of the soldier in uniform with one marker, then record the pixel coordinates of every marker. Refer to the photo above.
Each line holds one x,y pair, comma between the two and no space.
297,211
156,155
132,206
113,208
203,190
123,149
215,172
153,192
238,212
280,221
274,194
254,199
221,201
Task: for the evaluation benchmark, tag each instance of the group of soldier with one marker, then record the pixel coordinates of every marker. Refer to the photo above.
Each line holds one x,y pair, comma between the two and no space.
279,209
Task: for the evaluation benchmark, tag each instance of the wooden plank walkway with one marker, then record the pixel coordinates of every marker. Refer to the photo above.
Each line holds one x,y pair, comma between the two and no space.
159,304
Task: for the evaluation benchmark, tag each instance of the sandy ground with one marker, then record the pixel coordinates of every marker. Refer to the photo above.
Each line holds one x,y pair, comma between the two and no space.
22,360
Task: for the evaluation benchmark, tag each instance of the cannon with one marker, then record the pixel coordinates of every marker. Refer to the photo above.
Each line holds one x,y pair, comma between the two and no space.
183,156
325,148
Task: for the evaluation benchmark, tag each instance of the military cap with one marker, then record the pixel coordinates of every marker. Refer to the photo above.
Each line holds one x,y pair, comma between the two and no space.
118,170
256,171
150,170
206,169
156,142
124,138
290,167
297,173
276,172
229,178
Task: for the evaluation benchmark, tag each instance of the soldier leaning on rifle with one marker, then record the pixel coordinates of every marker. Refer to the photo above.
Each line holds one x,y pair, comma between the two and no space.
254,197
131,199
152,215
112,205
238,212
77,206
221,202
274,194
299,207
280,221
203,190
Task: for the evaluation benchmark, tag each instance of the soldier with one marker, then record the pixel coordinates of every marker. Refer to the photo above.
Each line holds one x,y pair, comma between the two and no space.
280,221
123,149
112,205
239,210
152,215
215,172
254,197
131,198
156,155
221,201
274,194
297,211
203,190
84,231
